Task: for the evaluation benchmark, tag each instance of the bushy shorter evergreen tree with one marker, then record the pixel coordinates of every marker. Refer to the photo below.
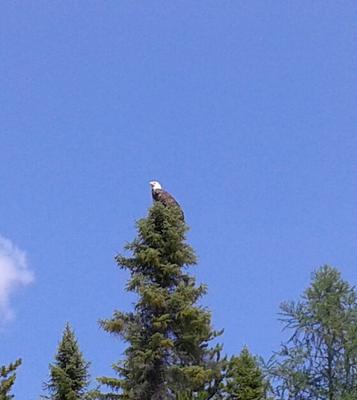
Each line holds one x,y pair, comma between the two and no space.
69,373
7,379
244,378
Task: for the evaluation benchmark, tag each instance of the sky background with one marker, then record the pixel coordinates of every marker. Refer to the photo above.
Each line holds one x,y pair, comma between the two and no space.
244,110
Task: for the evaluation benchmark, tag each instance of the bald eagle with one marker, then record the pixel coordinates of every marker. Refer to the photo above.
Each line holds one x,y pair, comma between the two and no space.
165,198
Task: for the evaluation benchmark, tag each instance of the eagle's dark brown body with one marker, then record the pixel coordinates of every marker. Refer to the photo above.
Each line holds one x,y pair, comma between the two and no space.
166,199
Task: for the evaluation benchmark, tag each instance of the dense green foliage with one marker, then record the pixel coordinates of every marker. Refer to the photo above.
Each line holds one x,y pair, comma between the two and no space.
244,378
320,360
168,334
7,379
69,372
170,353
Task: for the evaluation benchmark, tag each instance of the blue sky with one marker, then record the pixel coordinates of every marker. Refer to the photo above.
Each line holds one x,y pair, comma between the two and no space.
245,111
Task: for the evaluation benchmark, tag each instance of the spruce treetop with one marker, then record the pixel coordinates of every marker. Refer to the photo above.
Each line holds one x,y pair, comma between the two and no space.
244,378
69,373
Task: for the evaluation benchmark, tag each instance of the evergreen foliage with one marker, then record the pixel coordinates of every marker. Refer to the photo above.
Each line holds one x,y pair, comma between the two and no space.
320,360
69,373
7,379
168,334
244,378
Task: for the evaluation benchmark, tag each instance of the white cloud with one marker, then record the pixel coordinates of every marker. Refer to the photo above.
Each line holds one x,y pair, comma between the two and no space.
14,272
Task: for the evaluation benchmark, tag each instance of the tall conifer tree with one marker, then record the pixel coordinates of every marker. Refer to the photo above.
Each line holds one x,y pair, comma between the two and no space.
69,373
7,379
167,333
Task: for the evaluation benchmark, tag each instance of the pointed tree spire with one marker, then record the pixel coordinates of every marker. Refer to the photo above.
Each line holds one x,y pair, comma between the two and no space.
69,373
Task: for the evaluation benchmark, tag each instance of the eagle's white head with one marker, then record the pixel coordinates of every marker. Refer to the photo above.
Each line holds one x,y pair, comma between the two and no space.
155,185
